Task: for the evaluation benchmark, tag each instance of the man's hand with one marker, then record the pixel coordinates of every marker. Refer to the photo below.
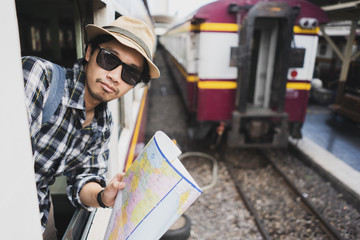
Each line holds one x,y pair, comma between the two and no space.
110,192
88,194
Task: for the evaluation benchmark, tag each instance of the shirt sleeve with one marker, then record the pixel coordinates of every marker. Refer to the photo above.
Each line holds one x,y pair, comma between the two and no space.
93,170
37,76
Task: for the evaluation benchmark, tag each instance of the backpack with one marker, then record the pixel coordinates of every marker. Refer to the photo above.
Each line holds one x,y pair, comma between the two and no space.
56,91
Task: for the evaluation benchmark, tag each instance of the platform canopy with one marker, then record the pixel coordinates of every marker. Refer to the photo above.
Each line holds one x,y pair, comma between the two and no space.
347,11
340,10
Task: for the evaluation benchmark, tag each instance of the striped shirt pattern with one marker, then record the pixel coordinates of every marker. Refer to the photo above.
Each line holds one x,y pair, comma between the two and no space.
61,146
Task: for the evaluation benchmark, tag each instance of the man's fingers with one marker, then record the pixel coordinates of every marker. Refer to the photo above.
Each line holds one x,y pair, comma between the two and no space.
117,185
112,189
121,185
119,176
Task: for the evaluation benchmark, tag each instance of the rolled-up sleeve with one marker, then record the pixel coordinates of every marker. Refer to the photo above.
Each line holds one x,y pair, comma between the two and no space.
93,170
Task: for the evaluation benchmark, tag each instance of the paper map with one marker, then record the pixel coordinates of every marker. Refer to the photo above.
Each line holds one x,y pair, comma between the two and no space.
158,191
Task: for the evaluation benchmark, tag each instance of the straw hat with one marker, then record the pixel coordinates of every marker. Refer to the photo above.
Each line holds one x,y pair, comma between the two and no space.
132,33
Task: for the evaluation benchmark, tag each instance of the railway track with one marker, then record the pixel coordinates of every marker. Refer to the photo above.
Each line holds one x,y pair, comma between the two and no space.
220,213
292,198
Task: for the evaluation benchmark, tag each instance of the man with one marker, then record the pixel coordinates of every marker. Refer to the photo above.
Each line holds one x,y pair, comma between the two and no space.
74,141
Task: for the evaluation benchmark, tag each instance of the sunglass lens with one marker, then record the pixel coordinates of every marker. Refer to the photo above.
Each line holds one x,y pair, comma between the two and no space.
130,75
107,60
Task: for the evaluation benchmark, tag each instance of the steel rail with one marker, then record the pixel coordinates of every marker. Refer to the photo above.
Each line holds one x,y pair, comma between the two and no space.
247,203
326,226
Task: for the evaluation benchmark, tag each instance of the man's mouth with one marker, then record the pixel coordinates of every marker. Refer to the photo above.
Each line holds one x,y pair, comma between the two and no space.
107,87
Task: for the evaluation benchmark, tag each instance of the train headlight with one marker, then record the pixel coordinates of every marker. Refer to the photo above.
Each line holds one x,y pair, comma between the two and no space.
308,23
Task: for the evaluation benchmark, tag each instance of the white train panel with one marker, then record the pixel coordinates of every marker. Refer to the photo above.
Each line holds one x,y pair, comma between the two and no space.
215,64
310,43
183,47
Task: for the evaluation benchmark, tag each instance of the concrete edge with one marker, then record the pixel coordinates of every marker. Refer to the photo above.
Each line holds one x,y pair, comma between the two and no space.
341,174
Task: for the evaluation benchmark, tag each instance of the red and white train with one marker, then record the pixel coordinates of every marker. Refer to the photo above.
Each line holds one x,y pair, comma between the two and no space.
246,65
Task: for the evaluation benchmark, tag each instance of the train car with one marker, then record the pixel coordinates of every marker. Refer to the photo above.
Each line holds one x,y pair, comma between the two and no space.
246,65
54,30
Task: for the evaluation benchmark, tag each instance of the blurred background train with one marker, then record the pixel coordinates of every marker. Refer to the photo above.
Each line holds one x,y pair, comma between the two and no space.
54,30
246,66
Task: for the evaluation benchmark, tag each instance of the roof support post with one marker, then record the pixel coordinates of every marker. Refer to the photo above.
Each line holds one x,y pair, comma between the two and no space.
346,62
346,58
331,42
355,56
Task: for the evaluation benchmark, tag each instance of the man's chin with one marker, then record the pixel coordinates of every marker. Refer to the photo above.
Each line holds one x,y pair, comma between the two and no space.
104,99
102,96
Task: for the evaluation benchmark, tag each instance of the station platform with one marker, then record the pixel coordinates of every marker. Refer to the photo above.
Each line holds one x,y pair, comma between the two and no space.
332,142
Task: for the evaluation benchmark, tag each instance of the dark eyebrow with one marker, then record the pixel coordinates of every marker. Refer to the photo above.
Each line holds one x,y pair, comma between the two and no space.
134,66
110,49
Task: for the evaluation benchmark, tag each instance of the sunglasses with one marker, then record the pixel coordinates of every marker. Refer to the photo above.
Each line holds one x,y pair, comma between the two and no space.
109,61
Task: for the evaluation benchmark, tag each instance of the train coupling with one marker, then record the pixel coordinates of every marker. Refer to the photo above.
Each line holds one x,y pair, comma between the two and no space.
220,129
219,133
258,129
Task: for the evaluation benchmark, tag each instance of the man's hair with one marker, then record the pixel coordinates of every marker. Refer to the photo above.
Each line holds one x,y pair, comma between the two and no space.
96,41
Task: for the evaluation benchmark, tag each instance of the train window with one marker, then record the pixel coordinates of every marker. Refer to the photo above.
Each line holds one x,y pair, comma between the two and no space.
48,38
47,30
35,39
61,38
296,57
66,38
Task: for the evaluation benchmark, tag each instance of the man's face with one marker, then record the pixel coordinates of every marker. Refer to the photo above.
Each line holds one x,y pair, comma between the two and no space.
103,85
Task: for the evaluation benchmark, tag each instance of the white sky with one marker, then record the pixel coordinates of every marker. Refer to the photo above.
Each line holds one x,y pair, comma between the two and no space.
178,8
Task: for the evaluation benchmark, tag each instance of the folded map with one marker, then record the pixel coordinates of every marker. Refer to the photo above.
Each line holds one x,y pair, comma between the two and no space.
158,191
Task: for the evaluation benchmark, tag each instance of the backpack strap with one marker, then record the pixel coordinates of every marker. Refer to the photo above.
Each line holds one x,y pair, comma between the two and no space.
56,91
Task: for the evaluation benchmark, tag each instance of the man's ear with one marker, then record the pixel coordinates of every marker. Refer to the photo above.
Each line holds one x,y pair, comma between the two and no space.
88,53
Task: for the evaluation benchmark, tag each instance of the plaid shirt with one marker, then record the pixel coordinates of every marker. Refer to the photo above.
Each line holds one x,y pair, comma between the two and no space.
62,145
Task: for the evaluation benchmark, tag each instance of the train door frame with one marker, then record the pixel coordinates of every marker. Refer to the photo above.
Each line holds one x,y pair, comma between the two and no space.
125,111
19,219
249,122
56,18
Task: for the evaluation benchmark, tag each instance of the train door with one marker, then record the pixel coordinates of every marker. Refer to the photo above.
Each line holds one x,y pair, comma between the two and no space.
266,30
53,30
262,58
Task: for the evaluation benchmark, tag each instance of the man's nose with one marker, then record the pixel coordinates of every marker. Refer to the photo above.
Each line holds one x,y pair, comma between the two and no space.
115,74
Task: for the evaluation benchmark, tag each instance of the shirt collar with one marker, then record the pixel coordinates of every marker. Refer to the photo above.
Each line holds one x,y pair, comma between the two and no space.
76,86
76,97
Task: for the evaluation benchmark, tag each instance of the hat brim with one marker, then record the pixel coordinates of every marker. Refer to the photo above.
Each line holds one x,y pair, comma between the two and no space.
94,31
